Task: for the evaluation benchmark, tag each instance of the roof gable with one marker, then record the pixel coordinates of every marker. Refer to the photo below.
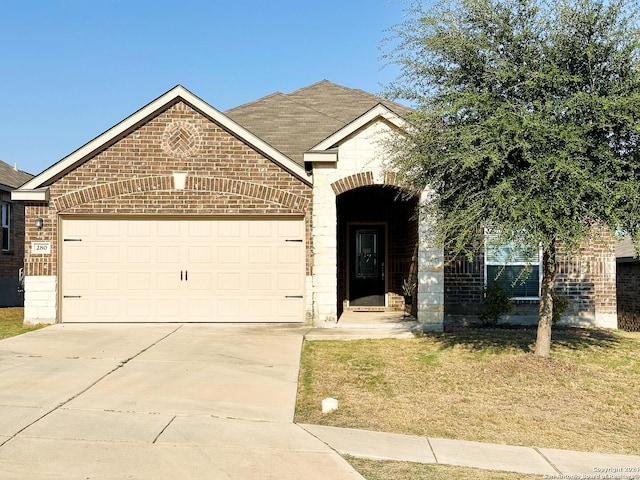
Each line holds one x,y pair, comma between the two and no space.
295,123
36,189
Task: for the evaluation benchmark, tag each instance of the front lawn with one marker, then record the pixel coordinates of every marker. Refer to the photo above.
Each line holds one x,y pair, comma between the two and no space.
11,319
483,385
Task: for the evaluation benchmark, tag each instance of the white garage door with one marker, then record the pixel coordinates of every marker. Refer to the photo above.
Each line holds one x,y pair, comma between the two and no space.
182,270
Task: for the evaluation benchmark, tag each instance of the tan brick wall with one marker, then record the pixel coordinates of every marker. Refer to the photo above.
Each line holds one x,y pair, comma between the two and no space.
628,295
134,176
586,277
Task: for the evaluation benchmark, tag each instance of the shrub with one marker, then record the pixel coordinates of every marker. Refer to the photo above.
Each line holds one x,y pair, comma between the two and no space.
497,302
560,305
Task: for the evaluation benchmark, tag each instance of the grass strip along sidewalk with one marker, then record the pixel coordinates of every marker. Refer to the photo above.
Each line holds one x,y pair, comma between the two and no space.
482,385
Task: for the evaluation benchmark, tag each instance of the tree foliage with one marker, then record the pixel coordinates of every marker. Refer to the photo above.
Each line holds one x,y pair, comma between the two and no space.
527,120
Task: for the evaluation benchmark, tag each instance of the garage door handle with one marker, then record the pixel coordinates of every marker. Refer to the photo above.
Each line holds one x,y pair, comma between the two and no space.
71,296
293,296
293,240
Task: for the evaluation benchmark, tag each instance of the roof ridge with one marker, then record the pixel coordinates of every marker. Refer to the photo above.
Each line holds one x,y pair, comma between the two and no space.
308,107
273,94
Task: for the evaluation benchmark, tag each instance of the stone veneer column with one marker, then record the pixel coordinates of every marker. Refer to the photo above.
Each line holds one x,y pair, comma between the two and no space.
430,277
40,299
325,274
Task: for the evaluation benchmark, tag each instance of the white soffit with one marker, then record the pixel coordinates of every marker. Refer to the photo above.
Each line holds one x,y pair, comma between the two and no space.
141,115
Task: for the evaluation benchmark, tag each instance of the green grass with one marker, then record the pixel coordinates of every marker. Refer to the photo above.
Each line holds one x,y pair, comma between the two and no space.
385,470
482,385
11,322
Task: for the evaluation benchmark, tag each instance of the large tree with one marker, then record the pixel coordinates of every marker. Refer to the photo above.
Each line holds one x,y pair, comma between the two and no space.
526,122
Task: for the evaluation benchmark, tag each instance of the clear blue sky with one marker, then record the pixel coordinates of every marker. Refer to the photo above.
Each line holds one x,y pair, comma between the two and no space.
71,69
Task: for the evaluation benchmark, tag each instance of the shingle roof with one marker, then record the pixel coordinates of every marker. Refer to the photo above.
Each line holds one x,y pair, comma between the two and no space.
295,122
625,250
11,178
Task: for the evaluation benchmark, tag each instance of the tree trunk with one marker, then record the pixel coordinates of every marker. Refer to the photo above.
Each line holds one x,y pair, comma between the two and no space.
543,340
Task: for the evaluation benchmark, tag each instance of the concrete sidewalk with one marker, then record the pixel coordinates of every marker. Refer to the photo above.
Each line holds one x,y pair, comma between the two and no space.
550,463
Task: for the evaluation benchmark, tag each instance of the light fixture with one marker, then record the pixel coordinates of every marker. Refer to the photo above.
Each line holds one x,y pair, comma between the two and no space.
39,223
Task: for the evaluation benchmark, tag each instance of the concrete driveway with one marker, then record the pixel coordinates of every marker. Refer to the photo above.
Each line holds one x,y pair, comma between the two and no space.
153,402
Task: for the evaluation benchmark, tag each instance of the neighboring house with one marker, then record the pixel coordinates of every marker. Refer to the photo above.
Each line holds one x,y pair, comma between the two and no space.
280,210
628,286
12,218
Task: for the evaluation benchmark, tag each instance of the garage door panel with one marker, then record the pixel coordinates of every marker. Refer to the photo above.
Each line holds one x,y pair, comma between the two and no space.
107,228
167,309
108,254
229,254
199,254
74,253
139,281
106,309
289,282
168,229
290,254
229,308
138,253
259,309
168,281
259,281
109,281
199,281
169,254
260,255
186,270
289,308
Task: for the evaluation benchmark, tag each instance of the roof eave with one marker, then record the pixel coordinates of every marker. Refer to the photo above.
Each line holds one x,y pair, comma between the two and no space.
321,156
34,195
378,111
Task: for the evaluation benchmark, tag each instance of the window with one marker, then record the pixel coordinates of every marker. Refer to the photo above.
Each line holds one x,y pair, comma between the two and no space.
6,225
514,268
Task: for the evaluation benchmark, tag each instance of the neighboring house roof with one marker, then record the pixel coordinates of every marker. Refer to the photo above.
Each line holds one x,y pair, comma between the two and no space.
11,178
625,251
294,123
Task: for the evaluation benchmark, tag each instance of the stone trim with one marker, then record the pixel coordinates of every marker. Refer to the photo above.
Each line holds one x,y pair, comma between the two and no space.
165,183
364,179
40,299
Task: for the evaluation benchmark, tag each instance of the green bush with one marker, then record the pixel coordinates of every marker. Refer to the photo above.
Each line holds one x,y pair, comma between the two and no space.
560,305
496,302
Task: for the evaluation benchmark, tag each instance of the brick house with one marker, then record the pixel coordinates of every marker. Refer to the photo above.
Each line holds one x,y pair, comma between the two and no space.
279,210
12,217
628,286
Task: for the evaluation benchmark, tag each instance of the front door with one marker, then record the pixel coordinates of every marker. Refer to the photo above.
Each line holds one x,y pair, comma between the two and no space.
367,262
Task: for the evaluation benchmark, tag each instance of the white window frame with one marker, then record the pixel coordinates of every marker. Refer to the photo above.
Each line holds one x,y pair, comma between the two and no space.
5,219
508,263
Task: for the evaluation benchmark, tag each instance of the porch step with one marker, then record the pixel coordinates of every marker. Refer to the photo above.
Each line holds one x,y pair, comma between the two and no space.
365,309
358,333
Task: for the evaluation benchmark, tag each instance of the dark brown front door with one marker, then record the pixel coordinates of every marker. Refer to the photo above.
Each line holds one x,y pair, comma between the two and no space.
367,259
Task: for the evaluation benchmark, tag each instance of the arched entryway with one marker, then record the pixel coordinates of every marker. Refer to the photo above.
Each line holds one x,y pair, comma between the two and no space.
377,246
